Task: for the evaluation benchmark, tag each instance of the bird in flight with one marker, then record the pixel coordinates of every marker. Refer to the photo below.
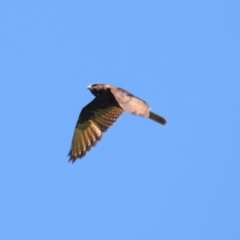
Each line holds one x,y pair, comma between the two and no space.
97,116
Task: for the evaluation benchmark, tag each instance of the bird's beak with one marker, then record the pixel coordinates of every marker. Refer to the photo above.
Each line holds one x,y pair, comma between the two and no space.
89,86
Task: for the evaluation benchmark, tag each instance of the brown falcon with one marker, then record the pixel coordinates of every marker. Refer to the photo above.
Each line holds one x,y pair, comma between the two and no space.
97,116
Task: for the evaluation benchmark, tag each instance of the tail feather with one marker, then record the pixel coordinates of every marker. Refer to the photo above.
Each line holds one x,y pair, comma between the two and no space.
157,118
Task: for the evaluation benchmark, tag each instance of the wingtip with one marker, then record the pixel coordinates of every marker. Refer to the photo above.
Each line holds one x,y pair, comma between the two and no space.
71,157
74,157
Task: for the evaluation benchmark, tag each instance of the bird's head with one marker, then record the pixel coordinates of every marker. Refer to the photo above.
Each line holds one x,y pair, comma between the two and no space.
98,89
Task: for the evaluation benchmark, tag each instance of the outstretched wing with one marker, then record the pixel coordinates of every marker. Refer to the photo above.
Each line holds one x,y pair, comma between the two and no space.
95,118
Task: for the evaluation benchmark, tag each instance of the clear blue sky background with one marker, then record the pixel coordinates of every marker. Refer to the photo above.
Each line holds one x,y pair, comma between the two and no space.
142,180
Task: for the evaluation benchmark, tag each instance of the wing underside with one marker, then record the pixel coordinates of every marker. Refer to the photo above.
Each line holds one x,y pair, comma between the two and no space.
94,119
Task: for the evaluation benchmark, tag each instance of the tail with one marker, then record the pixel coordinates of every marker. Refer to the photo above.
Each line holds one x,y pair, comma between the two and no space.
157,118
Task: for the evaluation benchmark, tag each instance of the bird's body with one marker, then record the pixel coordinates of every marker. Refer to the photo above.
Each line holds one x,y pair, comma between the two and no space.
95,118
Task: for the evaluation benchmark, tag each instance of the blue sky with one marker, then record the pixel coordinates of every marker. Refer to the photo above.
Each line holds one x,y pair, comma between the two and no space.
142,180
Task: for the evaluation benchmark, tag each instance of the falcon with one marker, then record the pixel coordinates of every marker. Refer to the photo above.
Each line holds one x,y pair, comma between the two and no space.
97,116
